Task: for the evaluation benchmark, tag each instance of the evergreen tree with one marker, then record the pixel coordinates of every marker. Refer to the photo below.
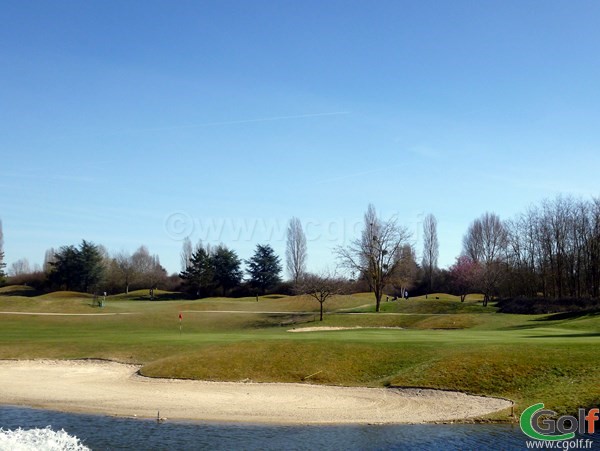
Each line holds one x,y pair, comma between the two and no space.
78,268
199,274
92,266
227,271
66,268
264,268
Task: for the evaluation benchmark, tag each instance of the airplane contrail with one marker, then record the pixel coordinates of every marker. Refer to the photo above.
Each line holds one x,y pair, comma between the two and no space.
240,121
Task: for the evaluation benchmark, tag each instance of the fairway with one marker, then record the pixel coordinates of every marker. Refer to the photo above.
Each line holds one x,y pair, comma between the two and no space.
434,343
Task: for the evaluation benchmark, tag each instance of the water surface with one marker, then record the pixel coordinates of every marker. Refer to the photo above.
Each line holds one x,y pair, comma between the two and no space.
109,433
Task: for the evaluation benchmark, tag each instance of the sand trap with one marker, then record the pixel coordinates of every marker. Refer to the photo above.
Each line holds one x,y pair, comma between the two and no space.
115,389
326,328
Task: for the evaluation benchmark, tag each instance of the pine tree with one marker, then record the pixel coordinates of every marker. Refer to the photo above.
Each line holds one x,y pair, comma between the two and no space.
77,268
199,275
264,268
227,271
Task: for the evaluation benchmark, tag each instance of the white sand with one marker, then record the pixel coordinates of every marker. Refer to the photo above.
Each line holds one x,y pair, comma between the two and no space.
326,328
115,389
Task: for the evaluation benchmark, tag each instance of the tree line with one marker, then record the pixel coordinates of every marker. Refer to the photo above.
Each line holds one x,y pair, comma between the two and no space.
209,271
551,250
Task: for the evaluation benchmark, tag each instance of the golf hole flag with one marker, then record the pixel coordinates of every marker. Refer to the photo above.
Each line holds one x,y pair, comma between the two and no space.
180,318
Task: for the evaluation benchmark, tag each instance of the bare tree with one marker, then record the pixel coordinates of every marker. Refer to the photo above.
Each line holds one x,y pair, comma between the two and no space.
376,254
148,269
49,259
2,263
430,249
485,243
463,276
406,272
186,253
126,268
19,268
321,287
554,249
295,253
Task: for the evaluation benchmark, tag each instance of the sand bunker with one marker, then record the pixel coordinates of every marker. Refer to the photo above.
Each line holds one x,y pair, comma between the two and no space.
116,389
326,328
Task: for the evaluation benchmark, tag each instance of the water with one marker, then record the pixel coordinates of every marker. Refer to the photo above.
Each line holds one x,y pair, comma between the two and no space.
108,433
39,439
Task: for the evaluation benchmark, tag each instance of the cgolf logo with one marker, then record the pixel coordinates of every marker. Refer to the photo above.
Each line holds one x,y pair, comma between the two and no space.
564,428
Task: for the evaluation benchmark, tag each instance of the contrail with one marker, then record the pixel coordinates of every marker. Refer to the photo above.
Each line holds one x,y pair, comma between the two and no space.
241,121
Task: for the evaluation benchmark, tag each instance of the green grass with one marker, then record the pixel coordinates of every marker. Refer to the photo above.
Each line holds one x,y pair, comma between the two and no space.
443,343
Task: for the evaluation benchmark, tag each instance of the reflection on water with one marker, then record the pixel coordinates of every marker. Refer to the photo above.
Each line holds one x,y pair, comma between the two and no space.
107,433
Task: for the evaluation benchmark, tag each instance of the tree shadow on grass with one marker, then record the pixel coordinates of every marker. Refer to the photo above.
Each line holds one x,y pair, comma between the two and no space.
569,315
160,297
581,335
282,320
553,317
26,292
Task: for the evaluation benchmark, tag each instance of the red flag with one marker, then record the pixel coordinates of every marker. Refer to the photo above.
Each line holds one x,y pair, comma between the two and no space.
180,317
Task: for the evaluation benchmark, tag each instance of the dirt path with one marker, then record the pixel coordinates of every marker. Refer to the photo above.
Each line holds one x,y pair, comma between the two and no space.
66,314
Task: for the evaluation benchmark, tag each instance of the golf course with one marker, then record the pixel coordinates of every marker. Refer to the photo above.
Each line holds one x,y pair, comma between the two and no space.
434,343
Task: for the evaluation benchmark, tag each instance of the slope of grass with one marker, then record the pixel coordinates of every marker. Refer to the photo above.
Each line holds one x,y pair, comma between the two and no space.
64,295
144,295
18,290
444,305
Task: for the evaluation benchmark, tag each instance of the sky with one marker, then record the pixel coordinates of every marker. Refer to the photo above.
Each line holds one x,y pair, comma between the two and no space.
131,123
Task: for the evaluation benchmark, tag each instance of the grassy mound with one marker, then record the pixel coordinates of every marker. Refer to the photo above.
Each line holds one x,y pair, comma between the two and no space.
336,363
18,290
62,295
434,304
564,378
144,295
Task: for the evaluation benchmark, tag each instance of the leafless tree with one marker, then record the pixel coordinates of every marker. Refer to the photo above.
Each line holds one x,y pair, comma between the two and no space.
295,253
125,266
485,243
147,269
430,248
554,249
2,263
49,259
186,253
406,272
19,268
376,254
321,287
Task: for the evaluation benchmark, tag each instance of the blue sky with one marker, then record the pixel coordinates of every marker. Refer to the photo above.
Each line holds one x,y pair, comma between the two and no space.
120,119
